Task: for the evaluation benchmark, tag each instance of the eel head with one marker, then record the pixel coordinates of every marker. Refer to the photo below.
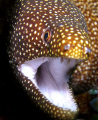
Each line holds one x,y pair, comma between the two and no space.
47,40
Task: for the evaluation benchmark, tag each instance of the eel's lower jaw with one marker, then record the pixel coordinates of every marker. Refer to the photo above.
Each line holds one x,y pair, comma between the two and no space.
51,77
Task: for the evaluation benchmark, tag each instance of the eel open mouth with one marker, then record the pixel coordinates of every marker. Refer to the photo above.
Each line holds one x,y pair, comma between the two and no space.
51,76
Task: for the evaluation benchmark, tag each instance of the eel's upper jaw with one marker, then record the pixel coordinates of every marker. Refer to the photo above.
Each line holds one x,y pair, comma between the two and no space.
51,76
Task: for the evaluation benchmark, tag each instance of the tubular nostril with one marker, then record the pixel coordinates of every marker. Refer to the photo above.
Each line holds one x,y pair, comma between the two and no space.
87,50
67,47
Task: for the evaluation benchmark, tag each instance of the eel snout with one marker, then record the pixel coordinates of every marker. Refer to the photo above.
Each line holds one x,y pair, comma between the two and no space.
72,42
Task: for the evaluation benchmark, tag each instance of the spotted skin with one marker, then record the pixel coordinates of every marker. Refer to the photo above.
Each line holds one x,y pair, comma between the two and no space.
69,31
85,77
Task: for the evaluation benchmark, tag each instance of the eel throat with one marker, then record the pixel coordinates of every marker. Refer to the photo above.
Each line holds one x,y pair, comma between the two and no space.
51,77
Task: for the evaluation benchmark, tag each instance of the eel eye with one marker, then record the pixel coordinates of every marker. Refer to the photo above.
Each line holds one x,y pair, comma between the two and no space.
46,35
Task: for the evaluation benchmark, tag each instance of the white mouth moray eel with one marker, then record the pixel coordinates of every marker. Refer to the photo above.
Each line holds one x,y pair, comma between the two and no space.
47,40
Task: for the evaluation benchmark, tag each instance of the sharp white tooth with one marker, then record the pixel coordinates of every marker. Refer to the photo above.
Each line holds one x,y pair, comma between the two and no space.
62,58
